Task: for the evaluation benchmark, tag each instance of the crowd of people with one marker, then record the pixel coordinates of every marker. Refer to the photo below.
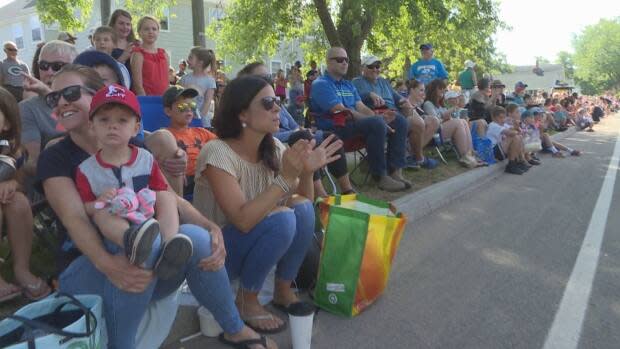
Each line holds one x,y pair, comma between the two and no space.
71,130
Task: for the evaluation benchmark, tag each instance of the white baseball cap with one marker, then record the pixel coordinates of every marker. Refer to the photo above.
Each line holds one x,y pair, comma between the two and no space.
368,60
469,64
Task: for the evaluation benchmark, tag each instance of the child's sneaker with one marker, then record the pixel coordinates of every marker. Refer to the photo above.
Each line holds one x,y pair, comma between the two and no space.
174,256
575,152
524,165
513,168
534,162
139,241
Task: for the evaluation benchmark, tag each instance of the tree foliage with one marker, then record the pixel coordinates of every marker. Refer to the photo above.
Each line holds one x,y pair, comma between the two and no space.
391,29
597,56
566,60
74,15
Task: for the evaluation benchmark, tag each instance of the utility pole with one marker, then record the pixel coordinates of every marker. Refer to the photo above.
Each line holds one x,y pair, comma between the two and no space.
105,11
198,23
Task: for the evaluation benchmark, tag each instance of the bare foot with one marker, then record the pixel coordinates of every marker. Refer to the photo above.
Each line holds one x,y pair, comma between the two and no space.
258,318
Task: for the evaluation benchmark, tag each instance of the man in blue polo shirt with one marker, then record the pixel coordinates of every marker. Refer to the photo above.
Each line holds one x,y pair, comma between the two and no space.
331,93
427,68
376,92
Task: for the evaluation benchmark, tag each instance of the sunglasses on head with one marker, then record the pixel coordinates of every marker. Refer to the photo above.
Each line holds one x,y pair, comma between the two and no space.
374,66
183,107
56,66
268,102
69,93
340,59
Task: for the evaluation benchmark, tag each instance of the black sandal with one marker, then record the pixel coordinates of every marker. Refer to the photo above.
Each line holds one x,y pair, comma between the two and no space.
243,344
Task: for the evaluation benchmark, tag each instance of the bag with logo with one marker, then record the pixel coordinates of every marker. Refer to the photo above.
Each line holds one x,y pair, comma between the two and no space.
359,245
483,146
56,322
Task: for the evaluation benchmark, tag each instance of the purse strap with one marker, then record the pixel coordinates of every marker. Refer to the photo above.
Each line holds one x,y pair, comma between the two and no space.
32,325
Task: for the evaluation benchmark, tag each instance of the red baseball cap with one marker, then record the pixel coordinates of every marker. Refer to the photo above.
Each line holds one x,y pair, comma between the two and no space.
116,94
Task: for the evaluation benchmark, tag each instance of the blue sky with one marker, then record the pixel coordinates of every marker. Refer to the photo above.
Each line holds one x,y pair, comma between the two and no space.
546,27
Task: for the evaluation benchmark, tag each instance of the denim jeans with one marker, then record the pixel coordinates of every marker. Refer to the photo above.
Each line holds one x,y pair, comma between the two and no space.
281,239
123,310
374,130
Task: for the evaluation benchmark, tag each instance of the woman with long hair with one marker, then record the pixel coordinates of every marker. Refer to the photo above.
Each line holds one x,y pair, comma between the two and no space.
257,190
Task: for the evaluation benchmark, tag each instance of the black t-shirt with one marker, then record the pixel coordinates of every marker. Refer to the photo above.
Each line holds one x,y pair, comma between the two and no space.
62,160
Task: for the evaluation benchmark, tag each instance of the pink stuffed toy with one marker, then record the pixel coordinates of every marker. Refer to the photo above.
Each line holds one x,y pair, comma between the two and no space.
136,208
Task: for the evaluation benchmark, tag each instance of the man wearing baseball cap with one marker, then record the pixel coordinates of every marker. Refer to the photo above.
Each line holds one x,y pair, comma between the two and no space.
427,68
180,107
517,96
377,92
468,79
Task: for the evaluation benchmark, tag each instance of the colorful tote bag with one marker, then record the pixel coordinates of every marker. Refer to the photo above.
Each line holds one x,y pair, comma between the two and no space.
359,245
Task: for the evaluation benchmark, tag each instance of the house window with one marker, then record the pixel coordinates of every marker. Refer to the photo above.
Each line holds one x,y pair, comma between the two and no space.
18,35
35,27
275,66
215,14
164,23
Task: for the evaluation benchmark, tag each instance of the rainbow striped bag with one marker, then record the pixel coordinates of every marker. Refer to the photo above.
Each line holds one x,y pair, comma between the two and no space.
359,245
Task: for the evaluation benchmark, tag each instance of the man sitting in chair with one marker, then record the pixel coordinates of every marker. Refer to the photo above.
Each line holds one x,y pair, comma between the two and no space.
376,92
332,98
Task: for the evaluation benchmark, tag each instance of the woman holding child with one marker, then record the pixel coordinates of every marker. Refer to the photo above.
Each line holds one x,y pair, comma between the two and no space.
87,266
256,190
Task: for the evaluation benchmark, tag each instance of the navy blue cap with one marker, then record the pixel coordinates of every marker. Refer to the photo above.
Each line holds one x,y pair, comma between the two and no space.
426,47
527,113
92,58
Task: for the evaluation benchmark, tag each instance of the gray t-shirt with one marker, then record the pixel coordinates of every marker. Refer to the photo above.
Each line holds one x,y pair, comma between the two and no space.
37,122
201,84
10,71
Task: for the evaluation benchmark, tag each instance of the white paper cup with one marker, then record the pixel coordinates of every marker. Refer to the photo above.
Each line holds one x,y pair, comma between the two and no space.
208,325
301,315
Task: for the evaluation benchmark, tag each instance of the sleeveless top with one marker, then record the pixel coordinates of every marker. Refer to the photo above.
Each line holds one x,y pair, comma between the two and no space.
154,71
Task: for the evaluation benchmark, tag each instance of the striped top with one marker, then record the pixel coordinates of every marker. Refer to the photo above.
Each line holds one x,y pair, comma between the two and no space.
253,178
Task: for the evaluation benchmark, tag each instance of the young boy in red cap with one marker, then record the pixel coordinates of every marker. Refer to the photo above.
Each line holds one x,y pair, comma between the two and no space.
123,188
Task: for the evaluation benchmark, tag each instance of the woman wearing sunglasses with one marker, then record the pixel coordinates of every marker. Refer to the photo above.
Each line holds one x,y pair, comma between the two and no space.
253,187
86,266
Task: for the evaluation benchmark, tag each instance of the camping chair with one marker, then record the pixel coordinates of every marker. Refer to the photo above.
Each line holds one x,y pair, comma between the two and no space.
153,116
442,146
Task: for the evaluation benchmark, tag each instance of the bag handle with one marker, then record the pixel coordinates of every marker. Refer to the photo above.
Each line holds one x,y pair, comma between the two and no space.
31,324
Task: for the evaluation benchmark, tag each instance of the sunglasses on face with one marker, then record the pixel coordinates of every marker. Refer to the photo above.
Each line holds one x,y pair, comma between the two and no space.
268,102
183,107
10,49
374,66
56,66
69,93
340,59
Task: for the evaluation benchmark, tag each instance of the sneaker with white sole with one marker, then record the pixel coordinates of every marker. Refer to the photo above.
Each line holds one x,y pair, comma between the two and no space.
174,256
139,241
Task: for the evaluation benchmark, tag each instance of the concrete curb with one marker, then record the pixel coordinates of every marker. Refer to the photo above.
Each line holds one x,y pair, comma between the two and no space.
420,203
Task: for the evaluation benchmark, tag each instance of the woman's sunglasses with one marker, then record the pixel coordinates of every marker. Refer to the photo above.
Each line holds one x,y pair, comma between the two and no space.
183,107
56,66
69,93
268,102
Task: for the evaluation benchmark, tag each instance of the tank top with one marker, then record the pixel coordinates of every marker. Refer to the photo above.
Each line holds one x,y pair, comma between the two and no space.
154,71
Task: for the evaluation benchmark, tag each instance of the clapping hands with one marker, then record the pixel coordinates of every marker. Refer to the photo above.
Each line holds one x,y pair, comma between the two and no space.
304,157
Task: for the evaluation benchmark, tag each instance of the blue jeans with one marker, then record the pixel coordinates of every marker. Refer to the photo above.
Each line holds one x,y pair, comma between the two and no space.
374,130
123,310
281,239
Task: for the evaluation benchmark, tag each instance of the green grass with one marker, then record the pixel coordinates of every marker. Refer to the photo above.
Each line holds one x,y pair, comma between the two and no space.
421,178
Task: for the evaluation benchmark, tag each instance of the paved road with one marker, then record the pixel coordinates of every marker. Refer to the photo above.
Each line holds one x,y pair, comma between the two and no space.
490,269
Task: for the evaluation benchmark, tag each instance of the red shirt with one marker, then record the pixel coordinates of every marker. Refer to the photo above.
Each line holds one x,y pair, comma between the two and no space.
154,71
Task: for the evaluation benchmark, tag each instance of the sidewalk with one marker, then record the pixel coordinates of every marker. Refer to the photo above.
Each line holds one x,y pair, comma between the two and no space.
416,205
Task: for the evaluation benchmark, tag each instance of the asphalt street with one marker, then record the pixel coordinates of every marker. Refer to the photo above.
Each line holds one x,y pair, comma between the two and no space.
490,269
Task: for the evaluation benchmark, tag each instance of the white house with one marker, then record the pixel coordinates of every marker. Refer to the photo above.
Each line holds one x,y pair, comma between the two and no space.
546,81
20,23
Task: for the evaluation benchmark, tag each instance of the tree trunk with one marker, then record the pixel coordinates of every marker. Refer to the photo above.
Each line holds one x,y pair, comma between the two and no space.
406,67
105,7
198,23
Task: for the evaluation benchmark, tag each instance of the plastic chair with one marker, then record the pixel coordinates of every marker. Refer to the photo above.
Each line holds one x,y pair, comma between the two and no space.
153,116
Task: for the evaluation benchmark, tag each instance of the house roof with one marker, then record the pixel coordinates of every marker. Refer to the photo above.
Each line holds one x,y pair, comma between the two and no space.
14,8
551,73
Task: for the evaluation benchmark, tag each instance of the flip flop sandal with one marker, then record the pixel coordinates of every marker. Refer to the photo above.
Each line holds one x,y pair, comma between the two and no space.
35,292
278,329
9,292
246,344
